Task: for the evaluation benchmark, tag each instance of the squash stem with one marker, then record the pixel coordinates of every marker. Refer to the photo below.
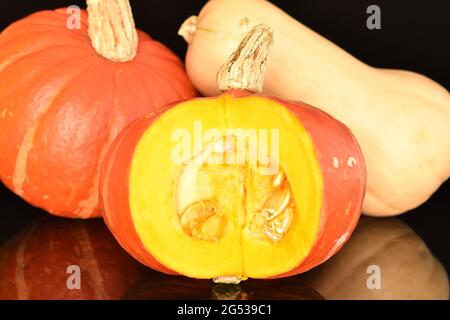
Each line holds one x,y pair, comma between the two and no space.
111,29
246,66
188,28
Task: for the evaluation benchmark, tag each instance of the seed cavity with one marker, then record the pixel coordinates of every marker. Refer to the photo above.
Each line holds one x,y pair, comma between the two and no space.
274,219
203,206
199,214
193,184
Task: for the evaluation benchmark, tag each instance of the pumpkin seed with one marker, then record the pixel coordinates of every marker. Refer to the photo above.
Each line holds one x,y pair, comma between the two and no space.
201,220
276,203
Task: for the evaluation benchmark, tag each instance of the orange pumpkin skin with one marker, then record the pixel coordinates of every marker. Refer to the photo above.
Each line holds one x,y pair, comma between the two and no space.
61,104
344,185
34,264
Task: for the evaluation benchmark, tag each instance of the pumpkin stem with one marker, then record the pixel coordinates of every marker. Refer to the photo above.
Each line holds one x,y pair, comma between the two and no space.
188,28
246,66
111,29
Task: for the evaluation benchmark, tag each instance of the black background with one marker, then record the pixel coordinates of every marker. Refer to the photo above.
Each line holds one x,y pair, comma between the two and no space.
414,35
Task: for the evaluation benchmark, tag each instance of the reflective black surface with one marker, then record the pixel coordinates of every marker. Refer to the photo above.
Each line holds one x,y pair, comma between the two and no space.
57,258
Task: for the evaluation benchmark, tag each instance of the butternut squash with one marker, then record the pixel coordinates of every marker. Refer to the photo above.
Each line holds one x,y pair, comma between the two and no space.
384,259
401,119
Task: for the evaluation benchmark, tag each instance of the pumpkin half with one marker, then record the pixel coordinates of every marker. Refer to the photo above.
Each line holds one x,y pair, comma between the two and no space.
236,186
65,93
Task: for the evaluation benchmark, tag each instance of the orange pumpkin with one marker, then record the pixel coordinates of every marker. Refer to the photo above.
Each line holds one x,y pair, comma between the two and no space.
66,93
213,213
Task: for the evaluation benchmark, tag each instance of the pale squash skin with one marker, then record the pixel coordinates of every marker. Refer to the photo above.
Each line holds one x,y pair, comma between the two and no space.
408,269
401,119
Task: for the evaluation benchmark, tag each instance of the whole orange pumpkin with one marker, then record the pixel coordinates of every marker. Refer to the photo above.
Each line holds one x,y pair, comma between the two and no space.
66,90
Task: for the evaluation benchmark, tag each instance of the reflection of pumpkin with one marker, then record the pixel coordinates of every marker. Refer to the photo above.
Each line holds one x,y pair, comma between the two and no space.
210,215
62,101
160,286
401,119
34,264
293,288
408,270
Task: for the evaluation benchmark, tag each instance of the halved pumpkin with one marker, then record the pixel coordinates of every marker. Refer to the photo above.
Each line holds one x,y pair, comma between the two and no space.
231,187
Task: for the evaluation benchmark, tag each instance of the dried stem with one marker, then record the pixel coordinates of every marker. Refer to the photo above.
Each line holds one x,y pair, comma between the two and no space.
111,29
246,66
